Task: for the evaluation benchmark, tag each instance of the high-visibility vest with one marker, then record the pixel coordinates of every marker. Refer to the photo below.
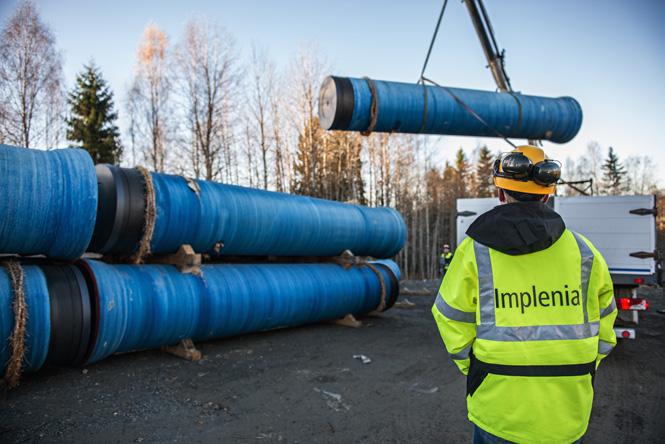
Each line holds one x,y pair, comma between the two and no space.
529,331
445,259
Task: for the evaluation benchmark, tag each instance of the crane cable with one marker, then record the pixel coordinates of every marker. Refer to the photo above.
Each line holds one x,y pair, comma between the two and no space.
431,43
470,110
457,99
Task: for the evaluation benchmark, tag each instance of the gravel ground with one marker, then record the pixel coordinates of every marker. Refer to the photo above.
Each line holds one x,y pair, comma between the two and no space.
304,385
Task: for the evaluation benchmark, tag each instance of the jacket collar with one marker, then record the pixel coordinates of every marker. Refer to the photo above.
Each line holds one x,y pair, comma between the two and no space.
518,228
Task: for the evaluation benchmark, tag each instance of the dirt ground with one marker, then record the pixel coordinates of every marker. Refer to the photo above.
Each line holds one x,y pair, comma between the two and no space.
303,385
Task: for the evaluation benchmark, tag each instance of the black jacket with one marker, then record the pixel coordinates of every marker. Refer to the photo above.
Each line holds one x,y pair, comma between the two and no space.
518,228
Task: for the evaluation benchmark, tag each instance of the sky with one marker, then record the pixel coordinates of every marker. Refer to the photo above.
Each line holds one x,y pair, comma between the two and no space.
609,55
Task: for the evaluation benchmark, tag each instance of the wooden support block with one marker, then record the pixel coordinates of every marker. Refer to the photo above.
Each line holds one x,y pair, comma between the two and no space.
185,259
349,321
185,349
404,303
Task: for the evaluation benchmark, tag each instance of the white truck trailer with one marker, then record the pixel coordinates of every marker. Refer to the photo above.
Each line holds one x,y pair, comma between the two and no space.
623,228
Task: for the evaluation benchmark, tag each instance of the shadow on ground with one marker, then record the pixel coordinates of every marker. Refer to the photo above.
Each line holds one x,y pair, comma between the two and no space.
302,385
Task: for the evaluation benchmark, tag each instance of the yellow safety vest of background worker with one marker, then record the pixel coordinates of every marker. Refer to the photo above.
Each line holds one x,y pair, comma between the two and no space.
445,259
526,311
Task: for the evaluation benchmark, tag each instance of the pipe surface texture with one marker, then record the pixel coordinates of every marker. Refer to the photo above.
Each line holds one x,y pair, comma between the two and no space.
346,104
147,306
48,202
38,328
221,219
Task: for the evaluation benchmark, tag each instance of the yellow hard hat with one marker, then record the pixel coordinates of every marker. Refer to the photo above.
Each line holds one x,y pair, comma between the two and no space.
526,169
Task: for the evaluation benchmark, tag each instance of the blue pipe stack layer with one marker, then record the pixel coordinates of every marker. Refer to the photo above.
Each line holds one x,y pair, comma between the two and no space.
48,202
57,204
146,306
84,314
375,105
230,220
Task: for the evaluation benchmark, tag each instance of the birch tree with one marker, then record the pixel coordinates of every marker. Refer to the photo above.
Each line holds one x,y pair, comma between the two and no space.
30,80
590,165
641,175
208,80
149,98
262,112
280,138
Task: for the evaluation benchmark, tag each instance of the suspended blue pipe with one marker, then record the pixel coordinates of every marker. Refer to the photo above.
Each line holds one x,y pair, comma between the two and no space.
38,326
222,219
346,104
48,202
146,306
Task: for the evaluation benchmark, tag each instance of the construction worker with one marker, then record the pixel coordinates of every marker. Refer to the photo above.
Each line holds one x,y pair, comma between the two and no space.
444,259
526,311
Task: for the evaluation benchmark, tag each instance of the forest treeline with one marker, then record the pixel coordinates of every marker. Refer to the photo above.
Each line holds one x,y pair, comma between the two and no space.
201,108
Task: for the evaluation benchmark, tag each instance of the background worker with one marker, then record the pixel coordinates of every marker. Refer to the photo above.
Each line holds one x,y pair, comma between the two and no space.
526,311
444,259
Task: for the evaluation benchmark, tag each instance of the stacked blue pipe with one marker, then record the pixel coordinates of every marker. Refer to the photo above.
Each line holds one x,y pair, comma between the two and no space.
84,314
146,306
48,202
59,316
375,105
57,204
38,328
231,220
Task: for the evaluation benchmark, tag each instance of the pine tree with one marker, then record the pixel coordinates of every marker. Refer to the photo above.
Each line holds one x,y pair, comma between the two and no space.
462,168
451,193
614,174
484,186
92,121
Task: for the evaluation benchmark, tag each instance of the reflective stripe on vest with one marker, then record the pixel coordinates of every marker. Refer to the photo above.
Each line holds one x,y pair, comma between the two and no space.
462,354
605,347
490,331
453,313
587,263
609,309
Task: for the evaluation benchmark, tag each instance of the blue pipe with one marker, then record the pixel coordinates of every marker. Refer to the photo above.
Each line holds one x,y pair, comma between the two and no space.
346,104
146,306
252,222
38,328
48,202
231,220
